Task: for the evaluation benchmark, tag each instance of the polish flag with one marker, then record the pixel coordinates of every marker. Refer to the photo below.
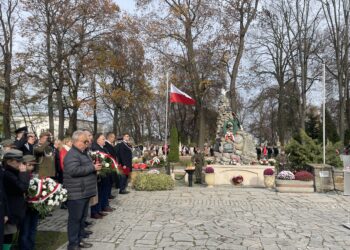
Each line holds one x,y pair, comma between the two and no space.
178,96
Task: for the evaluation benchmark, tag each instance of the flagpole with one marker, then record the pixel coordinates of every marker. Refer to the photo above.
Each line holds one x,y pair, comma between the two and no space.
166,115
324,114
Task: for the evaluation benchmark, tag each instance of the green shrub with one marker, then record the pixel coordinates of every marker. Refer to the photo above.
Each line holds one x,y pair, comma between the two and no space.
303,150
153,182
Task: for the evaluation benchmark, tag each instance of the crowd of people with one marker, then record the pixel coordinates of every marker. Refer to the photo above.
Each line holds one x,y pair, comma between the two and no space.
68,162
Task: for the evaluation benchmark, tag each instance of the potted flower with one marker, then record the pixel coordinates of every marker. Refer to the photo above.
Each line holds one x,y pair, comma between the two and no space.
209,176
237,180
301,182
269,178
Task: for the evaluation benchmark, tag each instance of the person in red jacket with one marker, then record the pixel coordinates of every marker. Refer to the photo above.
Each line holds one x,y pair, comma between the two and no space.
67,144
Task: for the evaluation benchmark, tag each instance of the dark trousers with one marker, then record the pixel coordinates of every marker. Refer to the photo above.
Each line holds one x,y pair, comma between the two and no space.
103,187
27,231
123,182
111,182
77,214
106,186
1,228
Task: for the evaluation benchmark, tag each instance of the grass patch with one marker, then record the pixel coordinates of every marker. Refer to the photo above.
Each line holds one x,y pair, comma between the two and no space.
50,240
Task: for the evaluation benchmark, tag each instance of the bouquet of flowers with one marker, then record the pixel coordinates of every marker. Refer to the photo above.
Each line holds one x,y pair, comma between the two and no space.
285,175
237,179
124,170
45,194
139,166
109,165
153,171
264,162
272,162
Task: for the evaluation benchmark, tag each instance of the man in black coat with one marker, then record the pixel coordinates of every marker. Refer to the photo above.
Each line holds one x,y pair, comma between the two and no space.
110,140
80,181
28,147
3,207
16,183
124,155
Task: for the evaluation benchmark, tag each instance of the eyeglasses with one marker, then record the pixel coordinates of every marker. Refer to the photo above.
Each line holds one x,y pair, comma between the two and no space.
86,142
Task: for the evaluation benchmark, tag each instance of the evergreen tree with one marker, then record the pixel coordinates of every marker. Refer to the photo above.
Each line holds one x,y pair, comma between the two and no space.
313,126
174,146
331,129
302,150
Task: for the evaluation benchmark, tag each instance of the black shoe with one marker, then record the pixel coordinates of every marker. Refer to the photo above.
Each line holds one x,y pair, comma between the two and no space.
88,223
124,192
63,206
74,248
83,244
88,232
111,197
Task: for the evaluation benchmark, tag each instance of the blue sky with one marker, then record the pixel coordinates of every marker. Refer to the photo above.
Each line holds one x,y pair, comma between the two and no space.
126,5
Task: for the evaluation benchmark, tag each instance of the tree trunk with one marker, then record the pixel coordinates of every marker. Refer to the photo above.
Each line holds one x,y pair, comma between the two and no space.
8,93
60,115
281,115
49,70
234,73
7,112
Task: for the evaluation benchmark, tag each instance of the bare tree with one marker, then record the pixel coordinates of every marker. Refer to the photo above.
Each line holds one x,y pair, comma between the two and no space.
8,19
237,17
337,17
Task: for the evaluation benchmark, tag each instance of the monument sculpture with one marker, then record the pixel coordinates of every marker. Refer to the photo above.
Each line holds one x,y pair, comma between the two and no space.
233,144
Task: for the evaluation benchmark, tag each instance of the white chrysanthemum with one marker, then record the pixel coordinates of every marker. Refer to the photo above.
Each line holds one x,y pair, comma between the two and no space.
102,156
44,193
50,202
107,165
31,182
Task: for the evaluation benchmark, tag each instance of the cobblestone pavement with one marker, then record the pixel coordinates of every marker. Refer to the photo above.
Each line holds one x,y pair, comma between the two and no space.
220,218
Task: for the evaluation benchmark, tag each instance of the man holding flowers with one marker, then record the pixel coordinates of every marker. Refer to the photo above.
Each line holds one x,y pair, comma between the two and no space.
80,180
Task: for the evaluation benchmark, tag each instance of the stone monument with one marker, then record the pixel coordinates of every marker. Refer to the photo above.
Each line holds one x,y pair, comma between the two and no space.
233,145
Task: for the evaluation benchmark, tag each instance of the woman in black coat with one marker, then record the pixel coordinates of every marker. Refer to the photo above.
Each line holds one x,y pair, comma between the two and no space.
16,183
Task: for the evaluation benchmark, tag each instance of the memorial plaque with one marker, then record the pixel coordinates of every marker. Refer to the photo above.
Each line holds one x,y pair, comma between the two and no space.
228,148
324,174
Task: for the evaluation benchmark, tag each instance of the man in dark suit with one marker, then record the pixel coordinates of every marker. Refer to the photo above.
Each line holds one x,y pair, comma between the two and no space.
124,155
28,147
110,140
109,147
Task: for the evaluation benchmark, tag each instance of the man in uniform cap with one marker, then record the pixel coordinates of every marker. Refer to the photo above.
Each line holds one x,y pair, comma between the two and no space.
21,137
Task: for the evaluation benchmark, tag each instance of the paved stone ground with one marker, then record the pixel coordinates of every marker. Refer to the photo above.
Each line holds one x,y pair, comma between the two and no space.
220,218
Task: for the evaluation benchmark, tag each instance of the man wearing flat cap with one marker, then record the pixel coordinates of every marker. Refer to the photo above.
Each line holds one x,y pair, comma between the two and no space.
16,183
7,145
28,227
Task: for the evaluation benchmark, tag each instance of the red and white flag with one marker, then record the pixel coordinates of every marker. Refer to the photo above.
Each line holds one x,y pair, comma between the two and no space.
178,96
